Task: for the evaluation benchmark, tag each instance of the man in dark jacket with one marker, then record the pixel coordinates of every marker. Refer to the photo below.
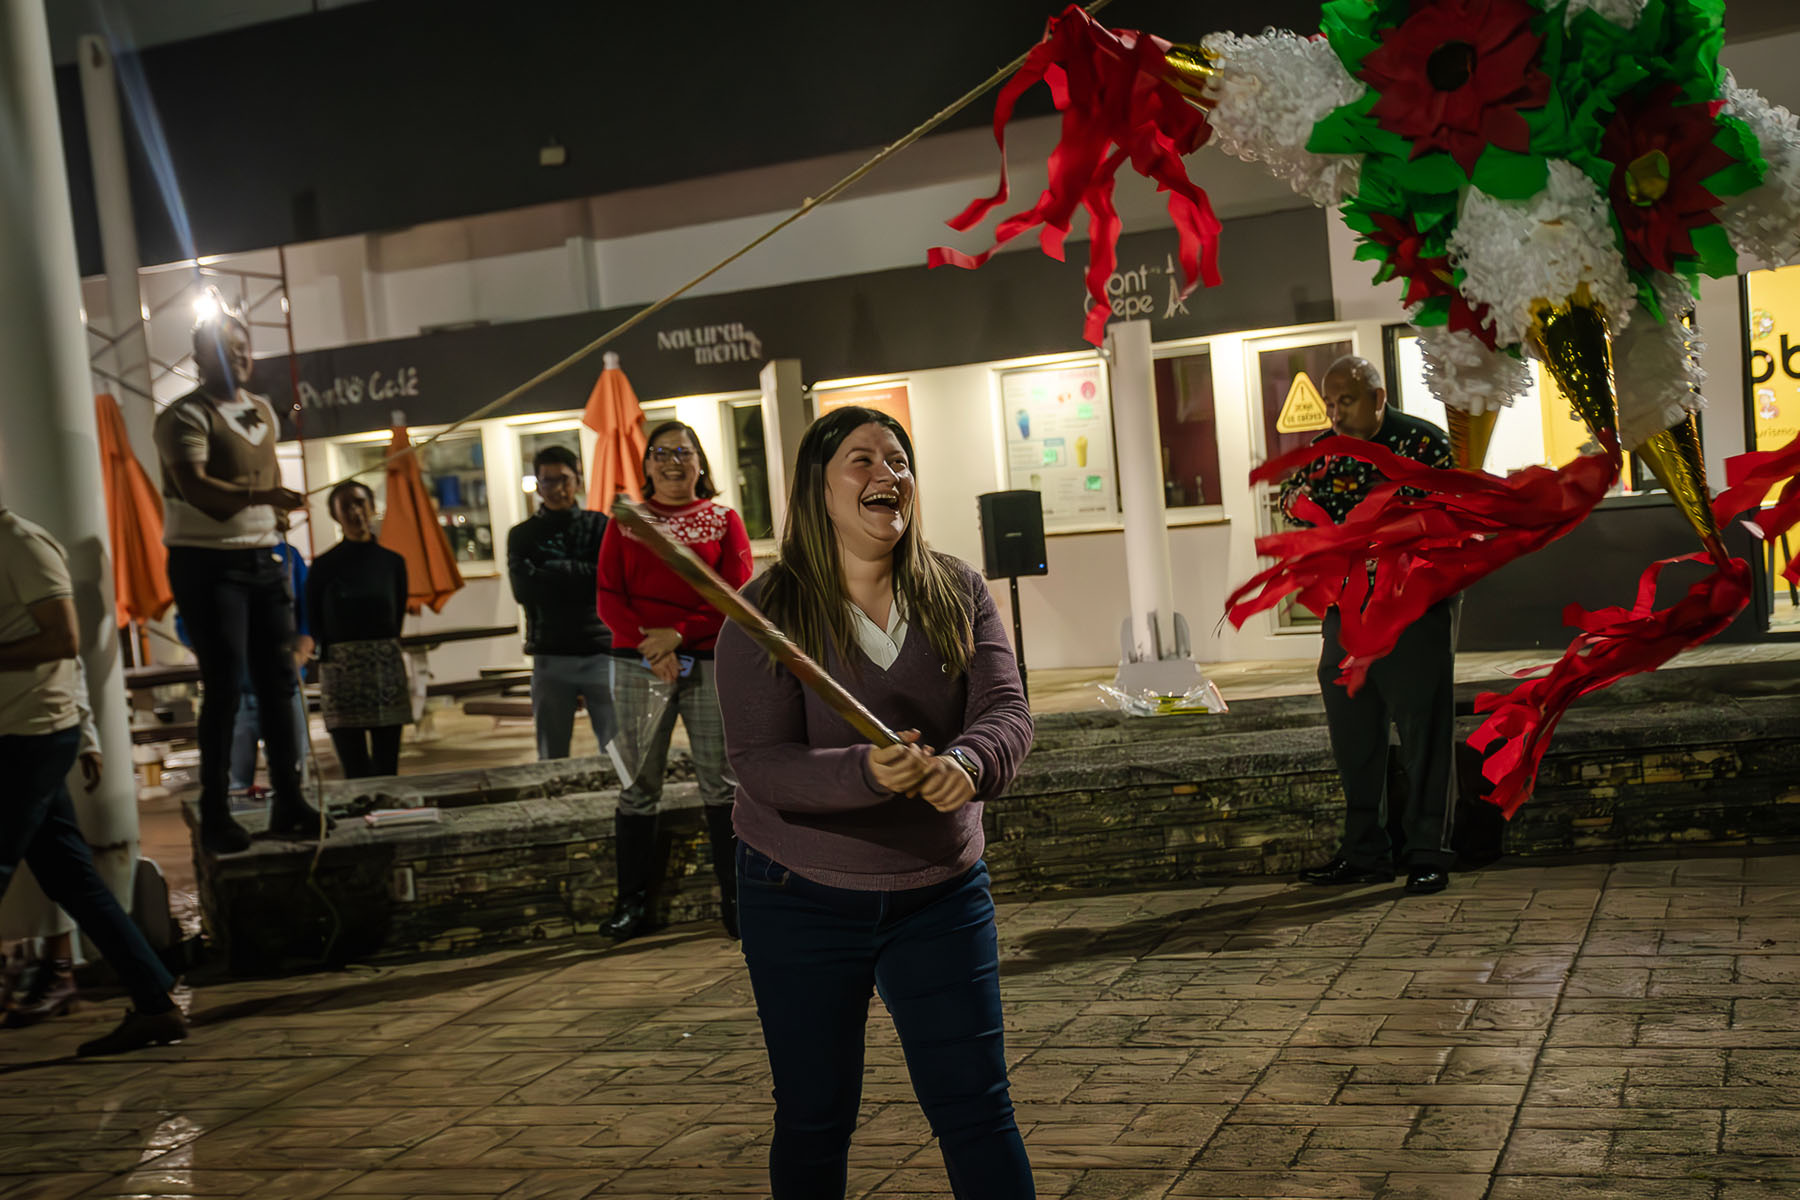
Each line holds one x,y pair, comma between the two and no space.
551,559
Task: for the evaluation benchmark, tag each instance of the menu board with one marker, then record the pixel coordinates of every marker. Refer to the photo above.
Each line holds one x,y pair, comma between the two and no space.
1058,423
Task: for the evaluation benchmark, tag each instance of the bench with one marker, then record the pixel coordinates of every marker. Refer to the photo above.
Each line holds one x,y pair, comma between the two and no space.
173,731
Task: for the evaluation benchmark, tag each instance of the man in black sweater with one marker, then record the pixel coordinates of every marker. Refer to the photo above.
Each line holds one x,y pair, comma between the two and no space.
551,559
1410,688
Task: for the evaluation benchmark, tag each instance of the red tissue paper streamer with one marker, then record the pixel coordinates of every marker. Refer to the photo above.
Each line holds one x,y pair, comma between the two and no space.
1613,643
1749,478
1108,84
1616,642
1425,549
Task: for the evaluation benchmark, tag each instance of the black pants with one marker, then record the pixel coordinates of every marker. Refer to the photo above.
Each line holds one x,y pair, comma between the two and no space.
1411,689
363,752
240,620
37,825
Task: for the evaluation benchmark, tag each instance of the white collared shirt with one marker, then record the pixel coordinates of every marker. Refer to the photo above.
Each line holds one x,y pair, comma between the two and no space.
881,645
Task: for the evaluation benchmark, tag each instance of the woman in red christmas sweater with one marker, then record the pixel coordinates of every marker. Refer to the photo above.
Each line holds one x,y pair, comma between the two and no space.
663,635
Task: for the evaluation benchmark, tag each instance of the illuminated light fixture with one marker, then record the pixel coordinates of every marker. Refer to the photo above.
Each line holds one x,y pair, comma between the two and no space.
530,483
144,311
284,304
206,307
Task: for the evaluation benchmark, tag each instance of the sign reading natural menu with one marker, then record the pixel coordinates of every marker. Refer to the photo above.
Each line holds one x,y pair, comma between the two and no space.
1058,423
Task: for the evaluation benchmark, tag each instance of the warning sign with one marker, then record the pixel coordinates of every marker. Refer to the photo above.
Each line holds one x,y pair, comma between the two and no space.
1303,411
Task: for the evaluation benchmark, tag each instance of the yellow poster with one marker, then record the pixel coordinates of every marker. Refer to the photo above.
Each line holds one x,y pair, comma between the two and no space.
1775,365
1566,435
1304,409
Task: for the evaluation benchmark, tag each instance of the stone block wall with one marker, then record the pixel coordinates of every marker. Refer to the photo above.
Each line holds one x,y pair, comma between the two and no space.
526,854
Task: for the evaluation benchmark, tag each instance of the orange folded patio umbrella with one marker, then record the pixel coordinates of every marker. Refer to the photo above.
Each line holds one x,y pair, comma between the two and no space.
134,523
410,528
614,414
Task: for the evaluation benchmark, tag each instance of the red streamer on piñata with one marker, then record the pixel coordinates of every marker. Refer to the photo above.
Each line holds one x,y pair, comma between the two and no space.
1616,642
1613,643
1750,476
1108,84
1425,549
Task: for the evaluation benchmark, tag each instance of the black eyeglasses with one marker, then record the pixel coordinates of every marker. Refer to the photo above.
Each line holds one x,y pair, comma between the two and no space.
662,454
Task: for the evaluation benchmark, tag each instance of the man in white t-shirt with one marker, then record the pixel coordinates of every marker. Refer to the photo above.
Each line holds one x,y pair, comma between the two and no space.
222,493
41,702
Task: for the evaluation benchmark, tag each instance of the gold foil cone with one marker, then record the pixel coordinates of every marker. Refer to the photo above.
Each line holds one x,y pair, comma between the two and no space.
1470,434
1674,456
1189,69
1571,337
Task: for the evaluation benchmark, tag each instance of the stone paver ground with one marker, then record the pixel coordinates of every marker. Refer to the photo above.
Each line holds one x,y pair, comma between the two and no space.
1565,1032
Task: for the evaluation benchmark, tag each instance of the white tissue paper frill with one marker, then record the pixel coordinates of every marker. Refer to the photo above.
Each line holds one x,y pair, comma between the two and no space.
1620,12
1657,372
1765,221
1515,252
1464,374
1270,92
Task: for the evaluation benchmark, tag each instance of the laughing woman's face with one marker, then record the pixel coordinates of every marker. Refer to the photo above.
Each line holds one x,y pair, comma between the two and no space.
869,492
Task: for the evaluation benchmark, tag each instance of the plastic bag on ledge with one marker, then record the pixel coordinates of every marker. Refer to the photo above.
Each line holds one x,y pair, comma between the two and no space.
1202,699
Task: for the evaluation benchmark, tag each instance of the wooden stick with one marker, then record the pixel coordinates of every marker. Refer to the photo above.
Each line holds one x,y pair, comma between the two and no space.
722,596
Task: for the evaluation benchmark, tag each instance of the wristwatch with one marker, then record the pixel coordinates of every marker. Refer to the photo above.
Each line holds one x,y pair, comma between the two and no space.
967,762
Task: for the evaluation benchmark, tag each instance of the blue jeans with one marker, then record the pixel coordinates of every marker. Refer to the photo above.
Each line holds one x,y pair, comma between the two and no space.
37,825
558,681
246,735
815,954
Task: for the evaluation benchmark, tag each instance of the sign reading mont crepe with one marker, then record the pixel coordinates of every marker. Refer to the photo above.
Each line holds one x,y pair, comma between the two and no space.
1276,272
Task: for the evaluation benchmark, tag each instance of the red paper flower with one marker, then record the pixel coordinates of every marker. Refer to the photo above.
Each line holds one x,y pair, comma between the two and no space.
1429,276
1661,152
1454,75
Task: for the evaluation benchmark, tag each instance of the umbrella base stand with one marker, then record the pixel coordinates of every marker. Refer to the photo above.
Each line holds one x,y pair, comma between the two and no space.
419,676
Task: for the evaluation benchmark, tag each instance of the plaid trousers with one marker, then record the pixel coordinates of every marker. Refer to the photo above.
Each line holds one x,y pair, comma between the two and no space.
646,709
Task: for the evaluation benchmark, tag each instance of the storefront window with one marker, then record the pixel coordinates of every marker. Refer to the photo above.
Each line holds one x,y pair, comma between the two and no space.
456,481
752,468
1540,429
529,445
1293,414
1189,432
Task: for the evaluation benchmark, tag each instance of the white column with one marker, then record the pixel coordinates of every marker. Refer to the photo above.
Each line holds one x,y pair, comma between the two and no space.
129,359
784,421
49,450
1139,447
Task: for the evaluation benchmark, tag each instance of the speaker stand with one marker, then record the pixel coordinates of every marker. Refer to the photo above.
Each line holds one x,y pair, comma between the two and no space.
1019,637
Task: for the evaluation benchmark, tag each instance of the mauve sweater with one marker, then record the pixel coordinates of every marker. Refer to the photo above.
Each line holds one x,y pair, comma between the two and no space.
805,797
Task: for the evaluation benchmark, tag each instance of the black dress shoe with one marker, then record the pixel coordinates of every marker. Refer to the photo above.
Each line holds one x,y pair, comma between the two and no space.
1340,871
1425,881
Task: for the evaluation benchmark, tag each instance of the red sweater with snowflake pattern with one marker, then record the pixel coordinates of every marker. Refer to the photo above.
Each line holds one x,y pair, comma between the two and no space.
637,592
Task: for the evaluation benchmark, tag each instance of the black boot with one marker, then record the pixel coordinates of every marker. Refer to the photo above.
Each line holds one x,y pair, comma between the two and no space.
724,856
634,848
294,815
219,831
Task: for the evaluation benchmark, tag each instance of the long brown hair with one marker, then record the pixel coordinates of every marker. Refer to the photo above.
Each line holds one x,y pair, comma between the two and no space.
805,592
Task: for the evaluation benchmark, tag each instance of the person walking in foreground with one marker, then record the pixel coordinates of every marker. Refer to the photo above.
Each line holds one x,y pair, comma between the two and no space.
1412,688
42,700
663,635
356,600
551,560
860,869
